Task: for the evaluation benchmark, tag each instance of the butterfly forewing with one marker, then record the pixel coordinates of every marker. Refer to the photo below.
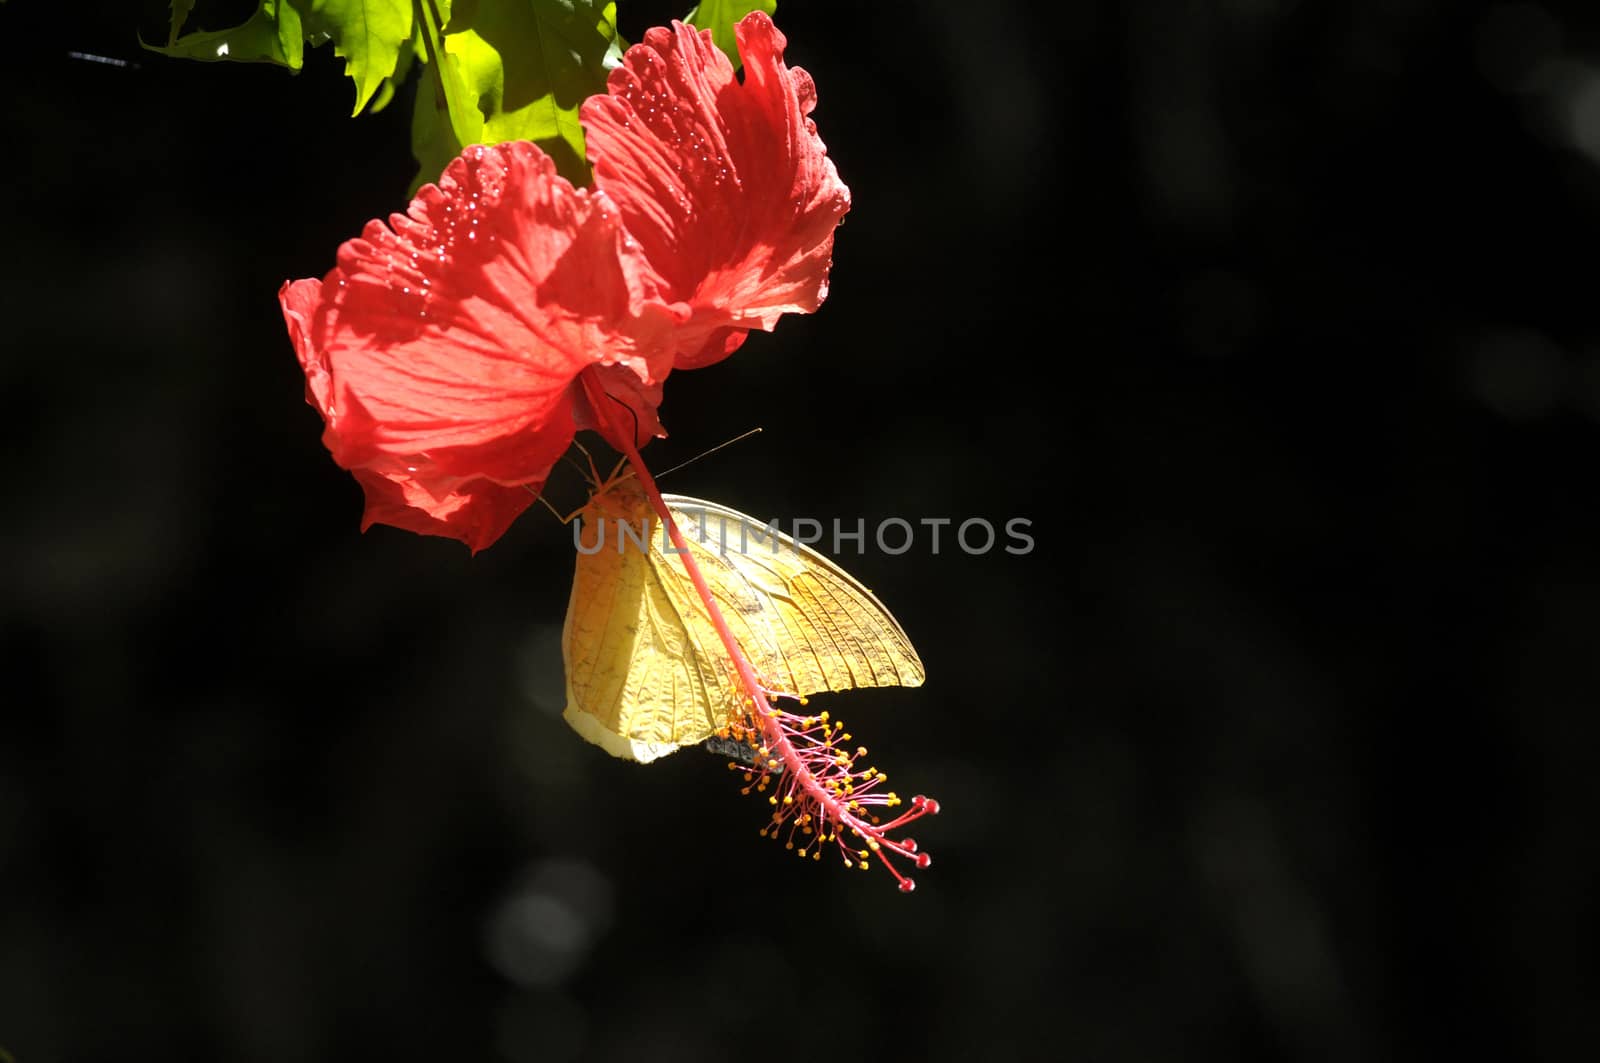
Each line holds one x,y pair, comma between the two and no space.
813,627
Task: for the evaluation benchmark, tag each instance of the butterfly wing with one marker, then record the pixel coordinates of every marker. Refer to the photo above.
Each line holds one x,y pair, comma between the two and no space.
642,678
646,670
807,625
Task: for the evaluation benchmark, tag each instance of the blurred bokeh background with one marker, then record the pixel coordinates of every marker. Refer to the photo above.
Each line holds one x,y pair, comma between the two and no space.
1277,320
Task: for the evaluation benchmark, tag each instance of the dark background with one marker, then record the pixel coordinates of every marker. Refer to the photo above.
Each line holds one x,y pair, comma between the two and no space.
1278,321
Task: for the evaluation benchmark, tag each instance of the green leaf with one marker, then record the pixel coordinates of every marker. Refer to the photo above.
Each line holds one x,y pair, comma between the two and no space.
720,16
272,35
402,70
369,35
515,70
500,69
180,14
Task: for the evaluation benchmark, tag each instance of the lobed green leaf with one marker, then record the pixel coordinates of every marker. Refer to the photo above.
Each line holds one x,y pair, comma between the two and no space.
501,69
272,35
370,35
516,70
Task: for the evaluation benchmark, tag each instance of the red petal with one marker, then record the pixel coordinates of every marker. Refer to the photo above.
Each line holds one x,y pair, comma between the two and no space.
456,333
610,400
718,345
443,349
726,186
477,514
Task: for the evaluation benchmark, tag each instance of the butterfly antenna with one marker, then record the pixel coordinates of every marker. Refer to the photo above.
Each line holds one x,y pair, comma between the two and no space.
707,453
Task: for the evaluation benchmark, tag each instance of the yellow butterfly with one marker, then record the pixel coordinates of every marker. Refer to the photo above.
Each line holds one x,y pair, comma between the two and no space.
646,671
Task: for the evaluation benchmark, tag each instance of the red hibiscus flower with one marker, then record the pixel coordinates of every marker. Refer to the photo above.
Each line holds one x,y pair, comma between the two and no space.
725,185
455,351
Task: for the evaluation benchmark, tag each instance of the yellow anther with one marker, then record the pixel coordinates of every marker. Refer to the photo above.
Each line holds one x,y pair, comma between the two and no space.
772,800
804,700
861,751
872,845
788,799
862,865
824,716
863,854
749,776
